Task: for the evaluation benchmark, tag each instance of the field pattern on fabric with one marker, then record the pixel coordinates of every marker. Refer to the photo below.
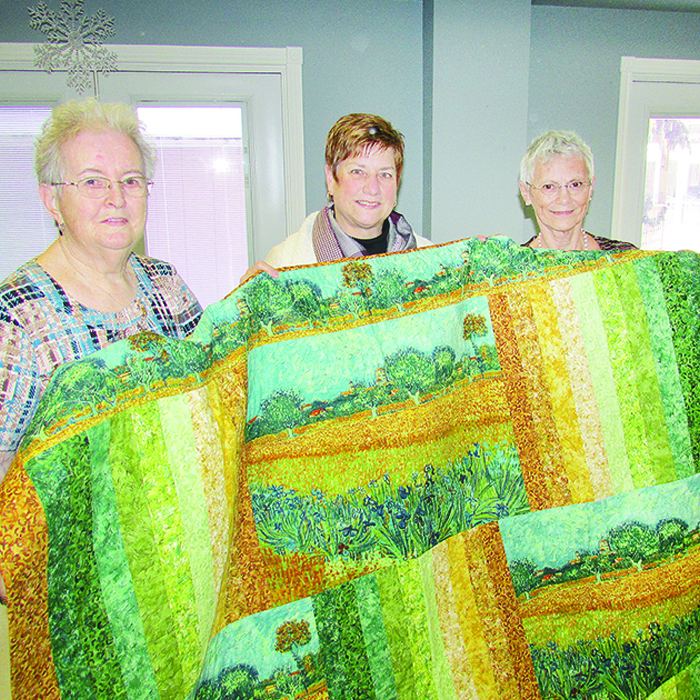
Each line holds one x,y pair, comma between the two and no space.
469,471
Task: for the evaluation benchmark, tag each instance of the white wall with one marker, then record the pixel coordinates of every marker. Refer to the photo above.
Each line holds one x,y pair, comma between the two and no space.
480,98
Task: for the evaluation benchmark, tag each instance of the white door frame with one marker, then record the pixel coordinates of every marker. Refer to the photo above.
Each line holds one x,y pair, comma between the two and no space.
632,127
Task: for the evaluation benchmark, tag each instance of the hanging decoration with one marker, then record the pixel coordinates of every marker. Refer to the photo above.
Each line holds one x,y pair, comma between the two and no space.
73,42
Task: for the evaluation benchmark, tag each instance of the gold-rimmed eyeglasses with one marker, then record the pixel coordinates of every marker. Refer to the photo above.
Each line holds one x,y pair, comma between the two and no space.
550,189
96,187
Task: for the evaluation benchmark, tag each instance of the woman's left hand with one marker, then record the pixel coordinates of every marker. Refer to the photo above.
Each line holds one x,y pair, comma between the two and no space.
260,266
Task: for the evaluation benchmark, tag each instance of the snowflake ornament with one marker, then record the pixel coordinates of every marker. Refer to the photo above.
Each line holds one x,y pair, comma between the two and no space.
73,42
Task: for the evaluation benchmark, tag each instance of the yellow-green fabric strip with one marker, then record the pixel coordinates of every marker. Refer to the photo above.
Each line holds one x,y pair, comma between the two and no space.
597,355
635,376
395,614
176,422
417,633
621,346
169,530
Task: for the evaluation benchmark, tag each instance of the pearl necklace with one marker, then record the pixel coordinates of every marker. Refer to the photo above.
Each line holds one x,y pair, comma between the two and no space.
585,240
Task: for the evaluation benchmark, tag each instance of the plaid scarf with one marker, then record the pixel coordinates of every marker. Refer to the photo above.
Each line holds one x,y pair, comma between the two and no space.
332,243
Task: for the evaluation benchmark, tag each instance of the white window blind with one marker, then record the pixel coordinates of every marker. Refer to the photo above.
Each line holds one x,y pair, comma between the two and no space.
26,227
197,209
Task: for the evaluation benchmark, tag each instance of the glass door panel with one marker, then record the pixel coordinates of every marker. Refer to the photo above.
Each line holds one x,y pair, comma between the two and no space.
671,219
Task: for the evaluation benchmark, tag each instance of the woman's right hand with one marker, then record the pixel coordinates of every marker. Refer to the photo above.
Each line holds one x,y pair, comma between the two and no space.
260,266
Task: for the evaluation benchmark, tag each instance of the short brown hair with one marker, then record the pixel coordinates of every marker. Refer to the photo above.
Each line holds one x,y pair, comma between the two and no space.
353,134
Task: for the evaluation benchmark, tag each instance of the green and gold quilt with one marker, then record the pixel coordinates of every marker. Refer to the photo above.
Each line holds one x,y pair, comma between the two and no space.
465,472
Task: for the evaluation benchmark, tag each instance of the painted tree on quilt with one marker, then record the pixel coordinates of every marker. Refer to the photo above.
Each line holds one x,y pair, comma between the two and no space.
292,635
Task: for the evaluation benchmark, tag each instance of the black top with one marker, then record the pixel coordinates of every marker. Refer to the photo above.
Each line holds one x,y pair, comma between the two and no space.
377,245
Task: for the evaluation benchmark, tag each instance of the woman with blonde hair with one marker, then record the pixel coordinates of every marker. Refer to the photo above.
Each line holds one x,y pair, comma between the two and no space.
88,288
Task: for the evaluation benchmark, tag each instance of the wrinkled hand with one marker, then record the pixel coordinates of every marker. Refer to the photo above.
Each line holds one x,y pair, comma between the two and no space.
260,266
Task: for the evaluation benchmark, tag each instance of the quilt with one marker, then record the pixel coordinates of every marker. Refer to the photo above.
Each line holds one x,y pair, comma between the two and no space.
469,471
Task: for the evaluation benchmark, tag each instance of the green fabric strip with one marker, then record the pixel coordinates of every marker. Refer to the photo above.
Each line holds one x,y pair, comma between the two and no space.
442,674
597,355
375,641
176,422
49,475
133,501
666,366
325,607
680,272
648,394
622,347
395,618
113,569
86,663
417,632
352,646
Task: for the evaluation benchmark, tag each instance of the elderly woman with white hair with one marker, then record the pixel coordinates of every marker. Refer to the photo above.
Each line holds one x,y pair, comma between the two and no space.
88,288
556,179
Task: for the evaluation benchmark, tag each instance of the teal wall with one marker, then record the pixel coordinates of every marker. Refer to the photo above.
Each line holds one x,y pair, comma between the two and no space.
468,82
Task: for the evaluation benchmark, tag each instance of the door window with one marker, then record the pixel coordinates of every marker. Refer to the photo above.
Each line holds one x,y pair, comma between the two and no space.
658,154
197,207
671,218
26,227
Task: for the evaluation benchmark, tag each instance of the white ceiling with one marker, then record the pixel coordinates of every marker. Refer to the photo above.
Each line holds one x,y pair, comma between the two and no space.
668,5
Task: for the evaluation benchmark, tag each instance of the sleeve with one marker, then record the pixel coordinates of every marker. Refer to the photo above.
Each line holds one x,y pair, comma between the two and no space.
191,310
297,249
20,385
173,302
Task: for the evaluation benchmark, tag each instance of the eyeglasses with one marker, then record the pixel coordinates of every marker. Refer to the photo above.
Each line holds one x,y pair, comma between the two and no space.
97,187
550,189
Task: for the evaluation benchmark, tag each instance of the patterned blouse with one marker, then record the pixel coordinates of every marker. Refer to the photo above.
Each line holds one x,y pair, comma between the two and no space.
604,243
41,327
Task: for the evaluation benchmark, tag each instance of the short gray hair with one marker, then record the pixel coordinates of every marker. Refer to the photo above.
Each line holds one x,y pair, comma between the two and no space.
552,144
70,119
